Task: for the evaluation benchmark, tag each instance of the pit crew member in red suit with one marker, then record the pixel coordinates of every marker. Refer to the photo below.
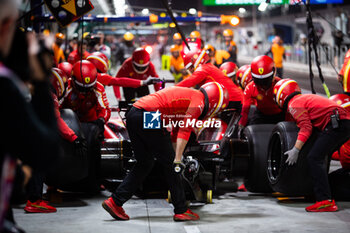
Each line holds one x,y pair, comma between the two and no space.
101,63
86,96
311,111
137,67
76,56
202,71
260,91
167,104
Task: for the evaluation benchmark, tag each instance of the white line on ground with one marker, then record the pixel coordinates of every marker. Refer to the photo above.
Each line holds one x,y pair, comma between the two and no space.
192,229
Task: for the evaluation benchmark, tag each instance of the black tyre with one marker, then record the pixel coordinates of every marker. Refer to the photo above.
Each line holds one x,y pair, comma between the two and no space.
69,167
258,140
289,180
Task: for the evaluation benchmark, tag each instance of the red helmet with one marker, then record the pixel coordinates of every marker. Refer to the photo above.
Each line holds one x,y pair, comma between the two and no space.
58,80
246,77
66,67
195,57
100,61
342,99
283,89
346,79
216,96
140,60
84,75
229,69
263,70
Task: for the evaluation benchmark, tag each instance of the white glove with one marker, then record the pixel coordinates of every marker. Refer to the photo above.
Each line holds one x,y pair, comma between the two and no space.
292,156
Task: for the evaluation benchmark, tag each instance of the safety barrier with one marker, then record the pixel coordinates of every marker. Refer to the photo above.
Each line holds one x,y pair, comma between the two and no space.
299,53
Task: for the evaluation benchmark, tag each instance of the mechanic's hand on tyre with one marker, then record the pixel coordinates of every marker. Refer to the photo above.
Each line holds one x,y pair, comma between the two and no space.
80,146
178,166
292,156
150,81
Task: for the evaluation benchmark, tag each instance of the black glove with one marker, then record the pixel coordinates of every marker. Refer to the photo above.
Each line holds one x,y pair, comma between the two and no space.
100,122
80,146
178,166
150,81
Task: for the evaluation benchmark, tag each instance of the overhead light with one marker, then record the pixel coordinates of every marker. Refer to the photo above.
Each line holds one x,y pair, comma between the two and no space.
119,7
125,6
104,7
192,11
263,6
234,21
145,11
242,10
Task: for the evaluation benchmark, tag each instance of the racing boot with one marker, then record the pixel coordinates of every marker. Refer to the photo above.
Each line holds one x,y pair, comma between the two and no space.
39,206
323,206
187,216
115,211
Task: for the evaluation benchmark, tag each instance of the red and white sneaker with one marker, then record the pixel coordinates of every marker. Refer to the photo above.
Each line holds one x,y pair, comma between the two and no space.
322,206
187,216
39,206
115,211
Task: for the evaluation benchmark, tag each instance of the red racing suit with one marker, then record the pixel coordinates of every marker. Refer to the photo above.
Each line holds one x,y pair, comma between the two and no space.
108,80
210,73
345,64
88,106
75,56
127,71
309,110
263,100
66,132
175,103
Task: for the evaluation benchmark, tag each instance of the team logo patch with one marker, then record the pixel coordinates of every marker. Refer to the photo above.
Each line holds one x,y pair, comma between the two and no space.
259,97
87,80
141,62
261,70
275,91
224,71
240,75
195,56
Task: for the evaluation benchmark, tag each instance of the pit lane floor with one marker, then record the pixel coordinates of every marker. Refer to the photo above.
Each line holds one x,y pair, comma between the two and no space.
231,212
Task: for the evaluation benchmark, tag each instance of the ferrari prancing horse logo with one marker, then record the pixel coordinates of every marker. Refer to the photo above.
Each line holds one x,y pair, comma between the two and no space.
87,80
261,70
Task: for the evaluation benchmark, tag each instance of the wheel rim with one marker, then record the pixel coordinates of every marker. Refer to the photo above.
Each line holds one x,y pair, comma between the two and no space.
274,158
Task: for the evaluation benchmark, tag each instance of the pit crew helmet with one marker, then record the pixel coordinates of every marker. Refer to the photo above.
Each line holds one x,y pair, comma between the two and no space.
227,33
263,71
342,100
195,34
195,57
128,36
284,90
58,80
244,76
229,69
216,99
66,67
177,36
84,75
100,61
140,60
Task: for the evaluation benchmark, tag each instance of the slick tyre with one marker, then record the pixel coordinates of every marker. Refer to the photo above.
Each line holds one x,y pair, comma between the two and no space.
258,140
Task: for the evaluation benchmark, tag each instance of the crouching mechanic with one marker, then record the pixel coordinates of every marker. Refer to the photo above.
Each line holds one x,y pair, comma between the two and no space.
165,105
202,71
101,63
313,111
340,179
260,91
139,67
